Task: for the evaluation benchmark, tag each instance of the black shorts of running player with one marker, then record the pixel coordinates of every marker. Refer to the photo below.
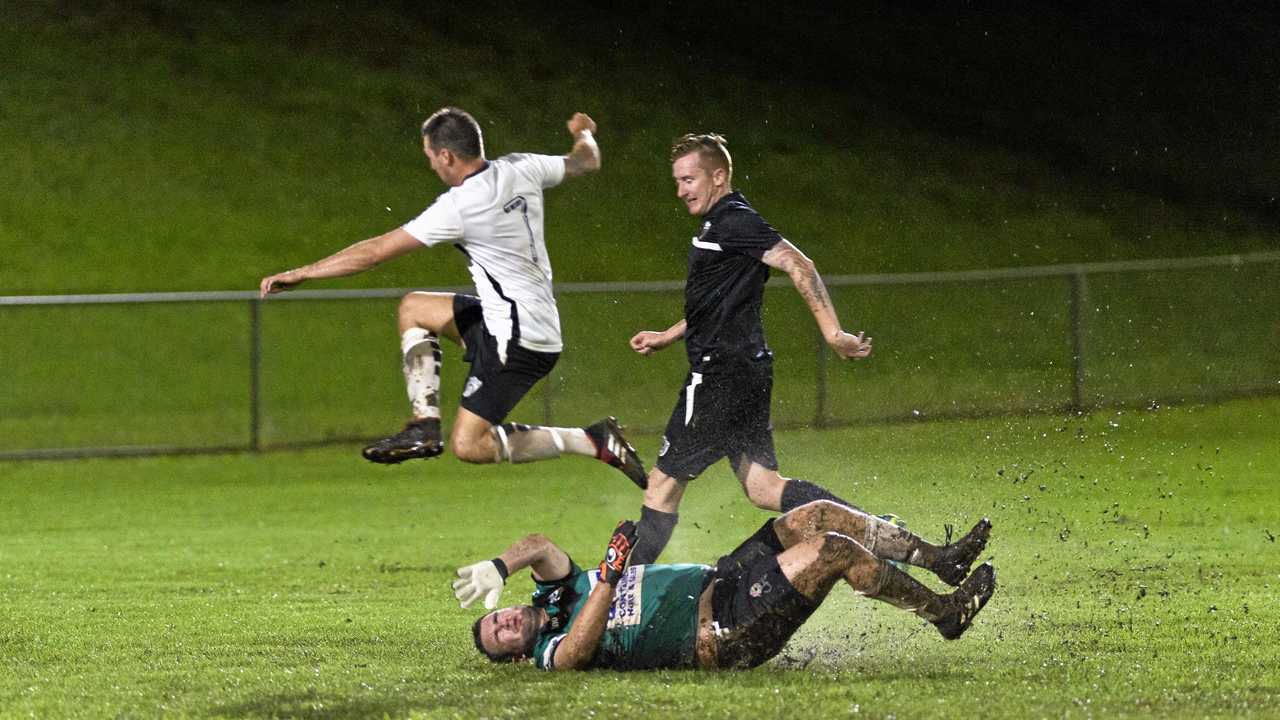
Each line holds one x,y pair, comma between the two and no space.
754,606
493,387
723,411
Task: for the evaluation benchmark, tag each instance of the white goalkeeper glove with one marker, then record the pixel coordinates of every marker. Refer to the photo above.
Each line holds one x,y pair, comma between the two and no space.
483,578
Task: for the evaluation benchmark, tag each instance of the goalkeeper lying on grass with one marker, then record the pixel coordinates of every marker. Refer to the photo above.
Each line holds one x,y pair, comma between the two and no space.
737,614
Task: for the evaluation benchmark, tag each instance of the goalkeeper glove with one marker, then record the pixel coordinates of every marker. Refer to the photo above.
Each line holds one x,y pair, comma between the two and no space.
619,552
483,578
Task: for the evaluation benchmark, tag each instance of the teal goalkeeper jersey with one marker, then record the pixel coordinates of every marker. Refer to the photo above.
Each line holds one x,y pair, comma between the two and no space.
653,621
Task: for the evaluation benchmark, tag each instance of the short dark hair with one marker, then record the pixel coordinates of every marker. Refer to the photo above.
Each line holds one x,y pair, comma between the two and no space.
493,657
452,129
711,150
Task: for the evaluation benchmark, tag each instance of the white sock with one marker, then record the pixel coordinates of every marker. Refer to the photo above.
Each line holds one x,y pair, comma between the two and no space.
528,443
421,365
888,541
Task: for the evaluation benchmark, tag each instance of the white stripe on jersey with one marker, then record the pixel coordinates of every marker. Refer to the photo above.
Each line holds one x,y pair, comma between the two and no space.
707,245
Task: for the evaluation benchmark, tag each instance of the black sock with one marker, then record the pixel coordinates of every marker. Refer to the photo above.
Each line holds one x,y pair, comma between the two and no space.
798,492
653,532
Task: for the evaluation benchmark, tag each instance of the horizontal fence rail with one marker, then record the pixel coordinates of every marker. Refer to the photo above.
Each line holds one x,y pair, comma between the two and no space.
1014,273
1076,313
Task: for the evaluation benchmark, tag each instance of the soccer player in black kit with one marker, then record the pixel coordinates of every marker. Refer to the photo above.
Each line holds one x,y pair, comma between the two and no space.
723,409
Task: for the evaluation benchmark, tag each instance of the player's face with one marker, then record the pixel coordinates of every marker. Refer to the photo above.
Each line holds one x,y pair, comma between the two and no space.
697,187
510,630
439,160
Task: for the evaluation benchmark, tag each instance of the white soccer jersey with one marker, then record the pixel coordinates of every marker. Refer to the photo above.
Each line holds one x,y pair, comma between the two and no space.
495,217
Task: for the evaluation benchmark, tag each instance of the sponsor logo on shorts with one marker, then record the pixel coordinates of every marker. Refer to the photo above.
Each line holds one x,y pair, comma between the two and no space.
761,588
473,384
666,445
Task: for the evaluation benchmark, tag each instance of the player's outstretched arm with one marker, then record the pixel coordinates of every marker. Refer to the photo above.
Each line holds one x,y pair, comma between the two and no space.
485,579
584,157
579,646
647,342
350,260
804,275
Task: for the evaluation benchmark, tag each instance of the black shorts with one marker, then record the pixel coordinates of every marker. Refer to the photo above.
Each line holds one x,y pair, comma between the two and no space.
723,412
755,607
493,388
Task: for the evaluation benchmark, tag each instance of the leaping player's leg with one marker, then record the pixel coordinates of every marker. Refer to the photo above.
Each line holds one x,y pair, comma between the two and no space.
499,379
690,444
769,490
424,317
658,516
474,439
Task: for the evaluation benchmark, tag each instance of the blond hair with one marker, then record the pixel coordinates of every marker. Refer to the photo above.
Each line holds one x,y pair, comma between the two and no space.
711,150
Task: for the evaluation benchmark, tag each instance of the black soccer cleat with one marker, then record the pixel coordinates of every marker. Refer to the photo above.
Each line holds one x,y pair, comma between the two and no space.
953,562
418,439
971,597
614,449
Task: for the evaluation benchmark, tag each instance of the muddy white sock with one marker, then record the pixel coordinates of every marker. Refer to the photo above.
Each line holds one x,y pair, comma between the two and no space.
421,364
519,443
886,540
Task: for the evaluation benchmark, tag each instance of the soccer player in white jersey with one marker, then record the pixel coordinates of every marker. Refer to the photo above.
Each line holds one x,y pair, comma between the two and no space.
493,213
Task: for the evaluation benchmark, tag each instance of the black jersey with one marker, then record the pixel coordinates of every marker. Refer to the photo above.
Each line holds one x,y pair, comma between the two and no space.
725,287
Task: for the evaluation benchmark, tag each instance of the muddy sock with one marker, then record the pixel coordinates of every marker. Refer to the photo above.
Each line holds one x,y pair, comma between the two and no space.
886,540
900,590
653,532
421,360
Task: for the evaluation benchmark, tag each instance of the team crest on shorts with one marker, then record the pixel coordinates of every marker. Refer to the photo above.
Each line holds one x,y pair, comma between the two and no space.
760,588
473,384
666,445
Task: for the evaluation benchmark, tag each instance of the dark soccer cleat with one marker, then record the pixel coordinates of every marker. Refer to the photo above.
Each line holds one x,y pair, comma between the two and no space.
966,601
614,449
418,439
954,560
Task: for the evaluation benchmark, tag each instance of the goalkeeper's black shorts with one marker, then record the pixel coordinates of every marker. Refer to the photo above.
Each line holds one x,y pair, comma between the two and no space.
722,412
755,608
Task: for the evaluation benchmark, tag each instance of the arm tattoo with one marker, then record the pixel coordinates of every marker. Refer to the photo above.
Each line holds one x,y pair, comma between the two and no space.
814,291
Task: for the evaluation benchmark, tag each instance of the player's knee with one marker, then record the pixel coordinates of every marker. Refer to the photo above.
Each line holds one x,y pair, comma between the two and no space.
765,494
468,450
842,550
409,305
822,513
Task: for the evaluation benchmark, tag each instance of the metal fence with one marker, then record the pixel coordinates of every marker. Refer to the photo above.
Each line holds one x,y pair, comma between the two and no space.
87,377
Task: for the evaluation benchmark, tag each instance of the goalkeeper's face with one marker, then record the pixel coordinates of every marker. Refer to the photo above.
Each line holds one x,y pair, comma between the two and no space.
510,631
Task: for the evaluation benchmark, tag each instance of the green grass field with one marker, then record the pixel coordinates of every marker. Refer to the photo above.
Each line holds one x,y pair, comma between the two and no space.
1136,550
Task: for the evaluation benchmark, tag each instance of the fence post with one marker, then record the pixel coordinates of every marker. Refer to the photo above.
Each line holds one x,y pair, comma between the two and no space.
546,398
1079,299
820,385
255,372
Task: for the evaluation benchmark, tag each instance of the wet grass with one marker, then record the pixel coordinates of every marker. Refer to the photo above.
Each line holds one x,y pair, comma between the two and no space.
1137,556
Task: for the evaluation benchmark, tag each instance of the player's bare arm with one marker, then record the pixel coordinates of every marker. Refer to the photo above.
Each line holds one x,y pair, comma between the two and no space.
804,275
647,342
486,578
579,646
584,157
350,260
537,552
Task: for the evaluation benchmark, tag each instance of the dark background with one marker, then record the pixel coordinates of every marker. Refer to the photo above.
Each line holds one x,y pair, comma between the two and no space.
1176,99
